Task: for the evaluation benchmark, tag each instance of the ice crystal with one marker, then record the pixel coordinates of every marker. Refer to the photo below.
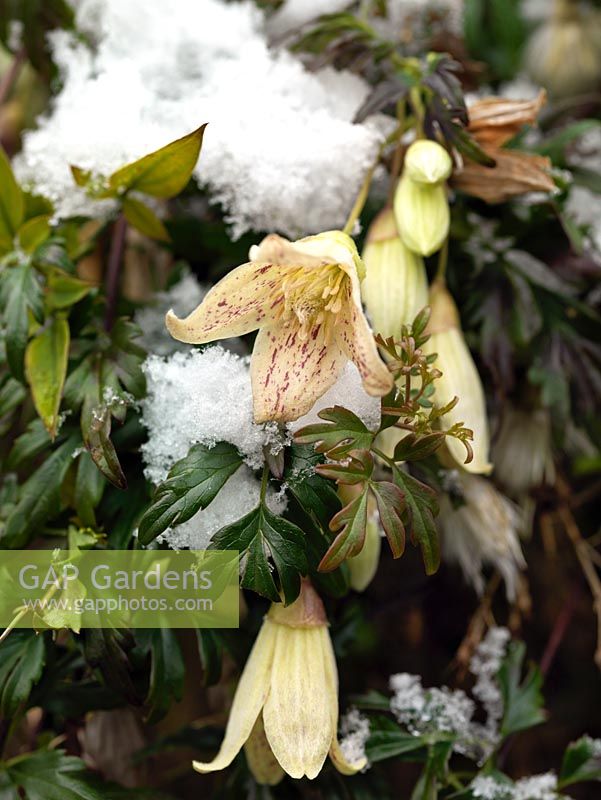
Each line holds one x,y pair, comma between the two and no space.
280,152
239,496
199,397
354,733
436,709
485,665
183,298
538,787
348,392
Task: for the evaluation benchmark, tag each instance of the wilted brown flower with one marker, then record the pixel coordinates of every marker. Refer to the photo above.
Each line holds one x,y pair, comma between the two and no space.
493,122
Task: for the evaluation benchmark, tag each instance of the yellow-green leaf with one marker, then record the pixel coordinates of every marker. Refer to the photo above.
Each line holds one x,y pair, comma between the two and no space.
11,204
64,290
163,173
81,176
46,367
34,232
144,220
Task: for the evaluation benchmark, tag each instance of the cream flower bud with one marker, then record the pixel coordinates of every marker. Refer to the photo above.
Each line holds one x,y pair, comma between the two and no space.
422,215
459,379
395,287
290,681
364,566
483,531
427,162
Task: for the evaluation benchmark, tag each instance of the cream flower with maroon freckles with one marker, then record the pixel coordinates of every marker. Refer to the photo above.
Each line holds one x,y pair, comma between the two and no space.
304,298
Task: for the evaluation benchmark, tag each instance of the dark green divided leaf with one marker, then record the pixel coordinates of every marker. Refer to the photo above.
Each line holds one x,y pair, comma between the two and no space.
111,652
258,535
192,484
316,495
20,292
342,432
210,651
22,657
53,775
166,670
422,508
40,497
391,504
387,740
163,173
522,700
581,762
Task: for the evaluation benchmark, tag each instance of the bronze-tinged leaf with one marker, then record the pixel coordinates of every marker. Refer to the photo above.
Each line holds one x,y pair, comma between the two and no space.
391,504
494,120
515,173
349,542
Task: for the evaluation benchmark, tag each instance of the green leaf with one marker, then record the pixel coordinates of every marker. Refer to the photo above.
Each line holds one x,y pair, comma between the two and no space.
22,657
391,504
387,740
34,232
64,290
349,542
40,497
192,484
20,293
46,360
53,775
29,444
163,173
96,431
144,220
110,651
89,488
581,762
210,651
414,446
554,145
342,432
166,672
12,394
316,495
11,204
522,701
261,532
422,507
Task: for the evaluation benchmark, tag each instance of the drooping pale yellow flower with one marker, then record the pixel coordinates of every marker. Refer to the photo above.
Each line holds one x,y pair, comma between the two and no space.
395,287
421,206
304,297
291,681
564,54
459,379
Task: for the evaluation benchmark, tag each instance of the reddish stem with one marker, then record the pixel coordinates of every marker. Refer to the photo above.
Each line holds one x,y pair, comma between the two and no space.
114,269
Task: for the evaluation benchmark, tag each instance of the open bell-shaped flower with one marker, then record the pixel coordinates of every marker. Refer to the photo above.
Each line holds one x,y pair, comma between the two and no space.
304,297
290,684
395,287
459,379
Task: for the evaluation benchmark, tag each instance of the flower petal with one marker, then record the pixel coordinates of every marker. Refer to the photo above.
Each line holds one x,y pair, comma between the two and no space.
342,764
356,339
299,714
262,763
289,373
250,696
245,299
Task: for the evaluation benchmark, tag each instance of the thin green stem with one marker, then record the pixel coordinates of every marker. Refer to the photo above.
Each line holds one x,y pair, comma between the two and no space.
443,258
361,199
264,482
